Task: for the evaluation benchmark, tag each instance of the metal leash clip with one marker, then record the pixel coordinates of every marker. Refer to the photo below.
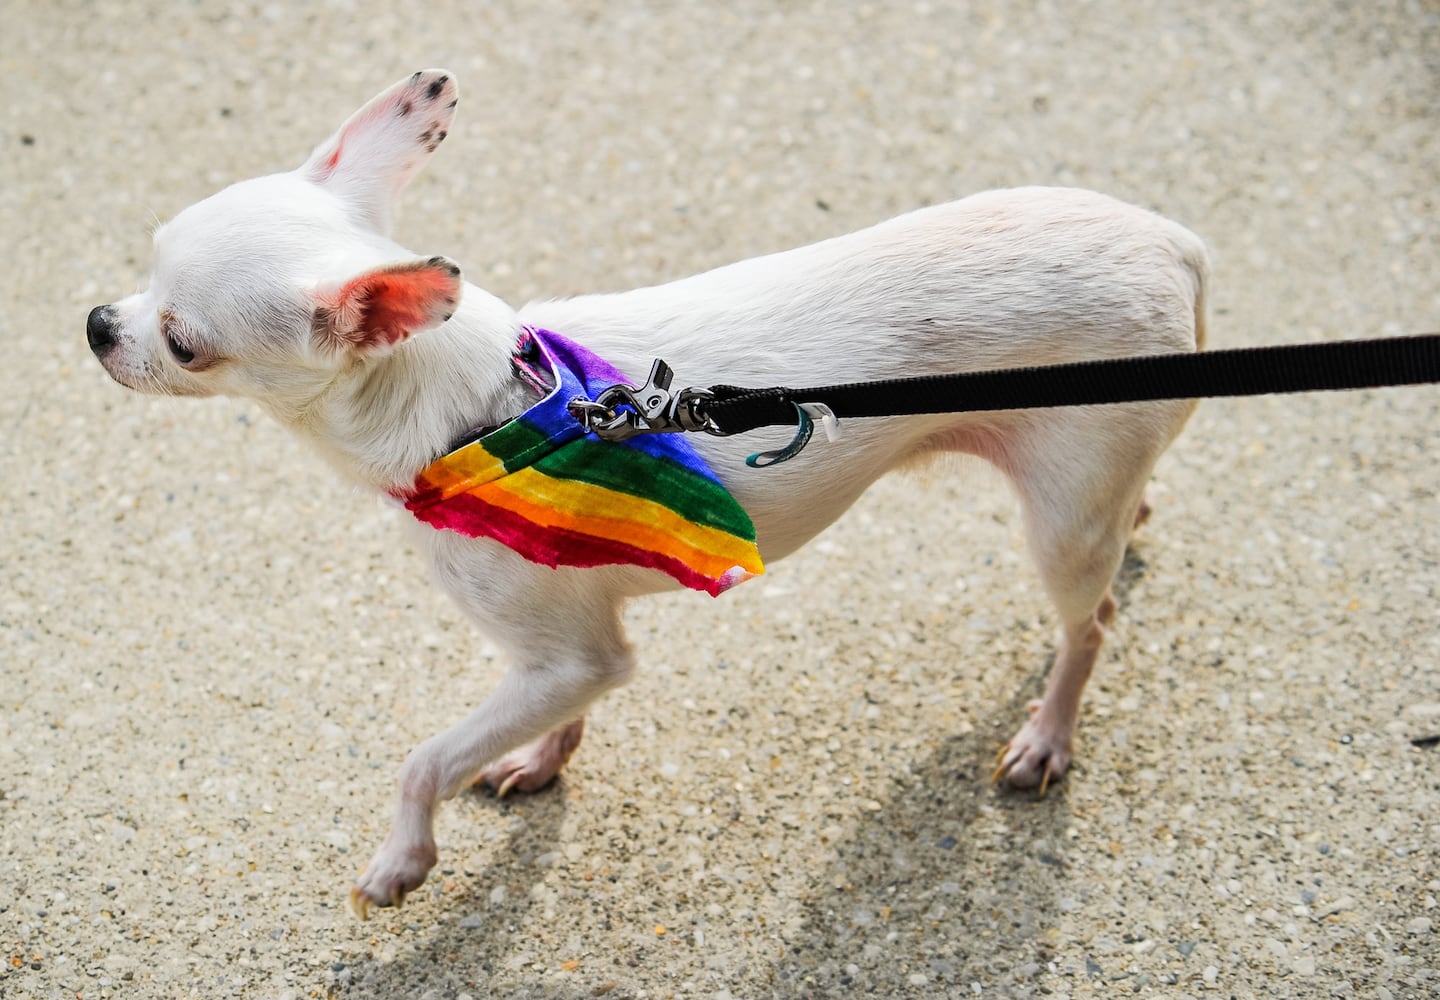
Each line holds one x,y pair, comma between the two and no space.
624,411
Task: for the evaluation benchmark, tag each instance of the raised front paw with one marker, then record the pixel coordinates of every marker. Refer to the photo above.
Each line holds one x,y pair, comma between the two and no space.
391,875
1038,754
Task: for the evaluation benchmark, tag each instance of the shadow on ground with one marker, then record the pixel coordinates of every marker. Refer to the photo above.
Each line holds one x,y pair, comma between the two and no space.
478,936
942,881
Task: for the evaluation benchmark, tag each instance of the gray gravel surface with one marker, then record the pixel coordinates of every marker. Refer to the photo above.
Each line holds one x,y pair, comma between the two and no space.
214,656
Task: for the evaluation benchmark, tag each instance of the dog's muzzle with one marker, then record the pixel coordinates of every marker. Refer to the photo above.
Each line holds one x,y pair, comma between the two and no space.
100,330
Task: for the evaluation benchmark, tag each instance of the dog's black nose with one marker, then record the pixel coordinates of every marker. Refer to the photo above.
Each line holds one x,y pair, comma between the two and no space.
100,330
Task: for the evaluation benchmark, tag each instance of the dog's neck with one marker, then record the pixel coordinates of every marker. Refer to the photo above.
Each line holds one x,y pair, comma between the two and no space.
383,420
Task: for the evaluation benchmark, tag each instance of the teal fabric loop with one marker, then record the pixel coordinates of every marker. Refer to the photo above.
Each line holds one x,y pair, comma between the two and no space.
805,428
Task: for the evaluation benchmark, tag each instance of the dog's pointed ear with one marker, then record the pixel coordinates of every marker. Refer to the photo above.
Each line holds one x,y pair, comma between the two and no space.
382,308
384,144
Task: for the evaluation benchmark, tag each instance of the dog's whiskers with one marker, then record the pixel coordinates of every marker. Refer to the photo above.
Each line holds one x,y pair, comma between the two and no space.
154,385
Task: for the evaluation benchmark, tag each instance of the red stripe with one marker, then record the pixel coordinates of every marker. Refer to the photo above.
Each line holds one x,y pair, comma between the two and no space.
474,518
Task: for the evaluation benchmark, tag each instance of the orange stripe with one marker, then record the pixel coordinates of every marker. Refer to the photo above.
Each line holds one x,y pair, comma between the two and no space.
643,523
458,472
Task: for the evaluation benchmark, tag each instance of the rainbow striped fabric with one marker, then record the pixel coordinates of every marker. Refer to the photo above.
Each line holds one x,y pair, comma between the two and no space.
558,495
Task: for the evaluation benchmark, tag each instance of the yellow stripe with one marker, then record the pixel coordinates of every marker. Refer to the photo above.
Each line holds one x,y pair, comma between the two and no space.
459,472
642,523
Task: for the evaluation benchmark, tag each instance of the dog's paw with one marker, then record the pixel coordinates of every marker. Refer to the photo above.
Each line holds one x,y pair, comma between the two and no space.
1037,755
1143,511
534,765
390,876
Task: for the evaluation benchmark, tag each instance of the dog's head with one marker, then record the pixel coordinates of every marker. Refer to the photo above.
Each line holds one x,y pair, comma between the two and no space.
270,287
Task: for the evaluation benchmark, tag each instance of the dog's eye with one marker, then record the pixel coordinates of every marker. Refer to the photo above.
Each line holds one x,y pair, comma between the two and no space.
177,350
182,355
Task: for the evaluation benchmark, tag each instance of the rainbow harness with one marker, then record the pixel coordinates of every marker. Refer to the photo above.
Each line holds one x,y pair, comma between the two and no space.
559,496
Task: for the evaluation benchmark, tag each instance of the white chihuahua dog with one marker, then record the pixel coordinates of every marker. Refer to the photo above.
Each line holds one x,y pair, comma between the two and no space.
288,290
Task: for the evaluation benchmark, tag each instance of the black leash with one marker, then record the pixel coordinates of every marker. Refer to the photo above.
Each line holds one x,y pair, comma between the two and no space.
623,411
1253,371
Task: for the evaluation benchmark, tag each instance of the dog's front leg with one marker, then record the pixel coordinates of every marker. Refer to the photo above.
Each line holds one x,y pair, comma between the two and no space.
533,766
563,631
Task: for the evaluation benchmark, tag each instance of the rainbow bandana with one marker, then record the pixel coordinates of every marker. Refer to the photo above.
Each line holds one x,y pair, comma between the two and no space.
558,495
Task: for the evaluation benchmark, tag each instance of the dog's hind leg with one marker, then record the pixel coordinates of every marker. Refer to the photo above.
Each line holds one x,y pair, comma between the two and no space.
1081,485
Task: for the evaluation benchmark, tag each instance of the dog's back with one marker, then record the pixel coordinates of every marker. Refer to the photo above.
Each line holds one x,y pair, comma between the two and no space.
1009,278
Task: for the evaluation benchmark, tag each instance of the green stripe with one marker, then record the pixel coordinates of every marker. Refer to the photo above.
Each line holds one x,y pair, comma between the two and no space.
513,444
695,497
